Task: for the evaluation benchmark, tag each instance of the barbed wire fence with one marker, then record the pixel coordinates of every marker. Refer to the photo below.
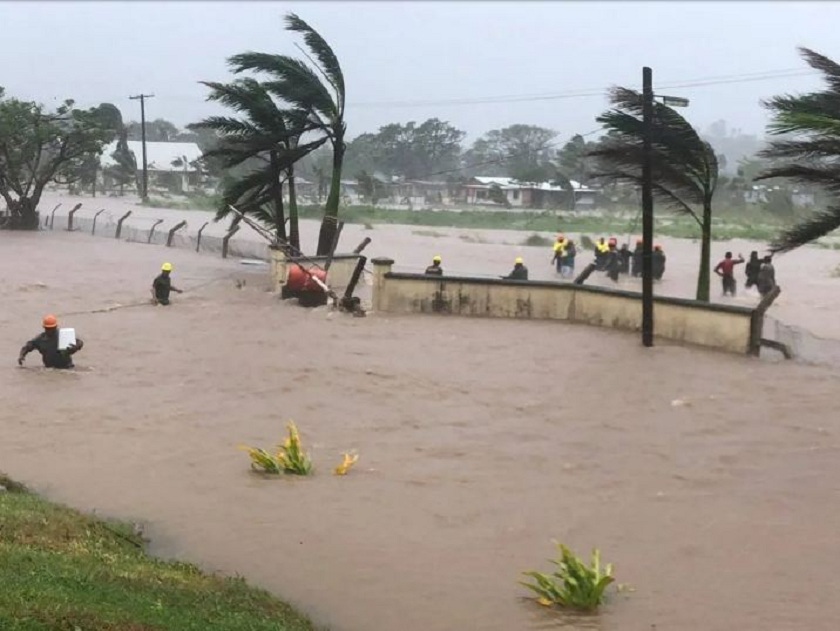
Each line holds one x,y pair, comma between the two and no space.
167,232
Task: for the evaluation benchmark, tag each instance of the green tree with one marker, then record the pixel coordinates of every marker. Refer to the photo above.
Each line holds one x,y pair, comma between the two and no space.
36,147
573,161
158,130
685,167
316,88
809,153
522,152
370,188
265,135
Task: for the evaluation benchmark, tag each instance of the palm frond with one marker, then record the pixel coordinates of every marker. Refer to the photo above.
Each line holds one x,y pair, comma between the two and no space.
327,58
293,72
817,225
824,175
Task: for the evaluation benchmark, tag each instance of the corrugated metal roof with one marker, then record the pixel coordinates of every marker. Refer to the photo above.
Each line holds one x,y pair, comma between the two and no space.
159,155
510,183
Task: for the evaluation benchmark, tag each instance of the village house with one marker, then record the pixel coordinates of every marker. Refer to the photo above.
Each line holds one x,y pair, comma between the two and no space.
531,195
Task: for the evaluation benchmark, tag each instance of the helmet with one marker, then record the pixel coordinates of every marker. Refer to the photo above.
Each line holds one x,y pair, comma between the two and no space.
518,260
561,237
657,247
166,267
436,258
640,242
613,241
50,322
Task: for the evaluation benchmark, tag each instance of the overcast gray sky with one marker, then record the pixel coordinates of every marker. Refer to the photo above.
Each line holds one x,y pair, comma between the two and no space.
423,51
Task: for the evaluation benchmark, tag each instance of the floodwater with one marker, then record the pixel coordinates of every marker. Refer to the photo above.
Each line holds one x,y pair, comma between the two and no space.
709,480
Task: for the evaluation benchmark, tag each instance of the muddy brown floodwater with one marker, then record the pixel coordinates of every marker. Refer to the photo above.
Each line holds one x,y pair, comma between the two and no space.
711,481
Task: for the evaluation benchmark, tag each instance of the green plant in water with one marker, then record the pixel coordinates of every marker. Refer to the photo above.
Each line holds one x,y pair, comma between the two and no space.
290,457
587,242
573,584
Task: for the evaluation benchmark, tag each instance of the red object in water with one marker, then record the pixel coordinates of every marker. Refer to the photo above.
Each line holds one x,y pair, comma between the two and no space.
300,281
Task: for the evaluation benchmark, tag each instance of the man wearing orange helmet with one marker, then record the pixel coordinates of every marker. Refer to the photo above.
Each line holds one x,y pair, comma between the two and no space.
47,344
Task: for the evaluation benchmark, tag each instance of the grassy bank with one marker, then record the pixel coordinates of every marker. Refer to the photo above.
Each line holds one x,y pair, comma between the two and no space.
752,224
64,571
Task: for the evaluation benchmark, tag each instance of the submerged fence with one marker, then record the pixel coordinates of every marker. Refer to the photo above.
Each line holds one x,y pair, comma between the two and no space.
168,232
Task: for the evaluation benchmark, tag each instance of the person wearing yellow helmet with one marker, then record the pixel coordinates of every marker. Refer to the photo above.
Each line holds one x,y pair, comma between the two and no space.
162,286
435,269
47,344
519,272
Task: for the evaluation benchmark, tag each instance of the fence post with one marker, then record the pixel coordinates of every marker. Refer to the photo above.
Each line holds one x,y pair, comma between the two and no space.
200,230
152,231
93,229
52,216
172,232
70,217
120,223
225,240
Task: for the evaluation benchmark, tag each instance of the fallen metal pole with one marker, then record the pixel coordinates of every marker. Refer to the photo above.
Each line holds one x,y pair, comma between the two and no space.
362,246
52,217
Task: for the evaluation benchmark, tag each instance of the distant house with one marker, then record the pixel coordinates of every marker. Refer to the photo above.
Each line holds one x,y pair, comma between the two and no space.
527,194
174,166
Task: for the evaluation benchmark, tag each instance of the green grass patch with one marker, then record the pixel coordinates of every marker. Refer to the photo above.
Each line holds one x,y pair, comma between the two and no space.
61,570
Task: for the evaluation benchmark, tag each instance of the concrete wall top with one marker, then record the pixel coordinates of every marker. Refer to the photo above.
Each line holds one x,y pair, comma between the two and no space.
685,302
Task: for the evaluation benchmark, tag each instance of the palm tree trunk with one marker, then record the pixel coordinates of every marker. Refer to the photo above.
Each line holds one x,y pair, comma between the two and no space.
703,278
279,213
294,233
330,221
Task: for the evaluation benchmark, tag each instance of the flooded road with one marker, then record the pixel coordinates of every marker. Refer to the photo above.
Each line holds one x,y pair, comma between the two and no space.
711,481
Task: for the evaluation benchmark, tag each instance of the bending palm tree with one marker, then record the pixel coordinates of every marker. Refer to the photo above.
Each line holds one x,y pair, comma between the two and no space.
812,158
316,89
685,167
266,136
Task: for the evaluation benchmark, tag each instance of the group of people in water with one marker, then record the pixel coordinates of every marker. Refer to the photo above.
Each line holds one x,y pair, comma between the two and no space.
615,261
47,343
760,273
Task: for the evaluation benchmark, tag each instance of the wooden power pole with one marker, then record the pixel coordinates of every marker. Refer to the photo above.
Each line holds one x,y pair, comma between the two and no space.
142,98
647,208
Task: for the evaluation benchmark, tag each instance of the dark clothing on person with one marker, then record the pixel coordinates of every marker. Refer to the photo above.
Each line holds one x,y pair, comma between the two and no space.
752,268
612,264
519,272
658,262
638,253
624,254
766,278
162,286
434,270
47,345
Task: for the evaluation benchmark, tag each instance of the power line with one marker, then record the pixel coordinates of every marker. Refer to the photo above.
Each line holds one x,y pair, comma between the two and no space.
590,92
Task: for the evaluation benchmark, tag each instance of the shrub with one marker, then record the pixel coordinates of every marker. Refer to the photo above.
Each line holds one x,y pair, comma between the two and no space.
537,240
290,457
573,584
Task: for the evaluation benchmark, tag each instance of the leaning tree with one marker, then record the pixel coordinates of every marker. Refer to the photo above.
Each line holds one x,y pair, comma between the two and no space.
684,166
314,86
266,141
37,146
810,151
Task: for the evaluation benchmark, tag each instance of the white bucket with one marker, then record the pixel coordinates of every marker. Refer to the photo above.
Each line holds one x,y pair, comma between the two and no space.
66,337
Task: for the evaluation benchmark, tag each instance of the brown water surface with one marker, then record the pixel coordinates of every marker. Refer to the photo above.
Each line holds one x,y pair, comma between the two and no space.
711,481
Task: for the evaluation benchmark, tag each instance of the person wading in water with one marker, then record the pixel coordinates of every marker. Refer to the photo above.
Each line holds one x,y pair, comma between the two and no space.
47,344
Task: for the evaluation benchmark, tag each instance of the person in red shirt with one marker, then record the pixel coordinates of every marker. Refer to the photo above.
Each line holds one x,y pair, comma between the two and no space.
726,270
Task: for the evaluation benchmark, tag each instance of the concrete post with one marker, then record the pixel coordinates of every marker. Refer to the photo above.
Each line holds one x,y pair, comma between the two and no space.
278,268
381,267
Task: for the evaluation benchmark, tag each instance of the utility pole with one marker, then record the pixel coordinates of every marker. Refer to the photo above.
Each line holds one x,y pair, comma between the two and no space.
142,98
647,208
